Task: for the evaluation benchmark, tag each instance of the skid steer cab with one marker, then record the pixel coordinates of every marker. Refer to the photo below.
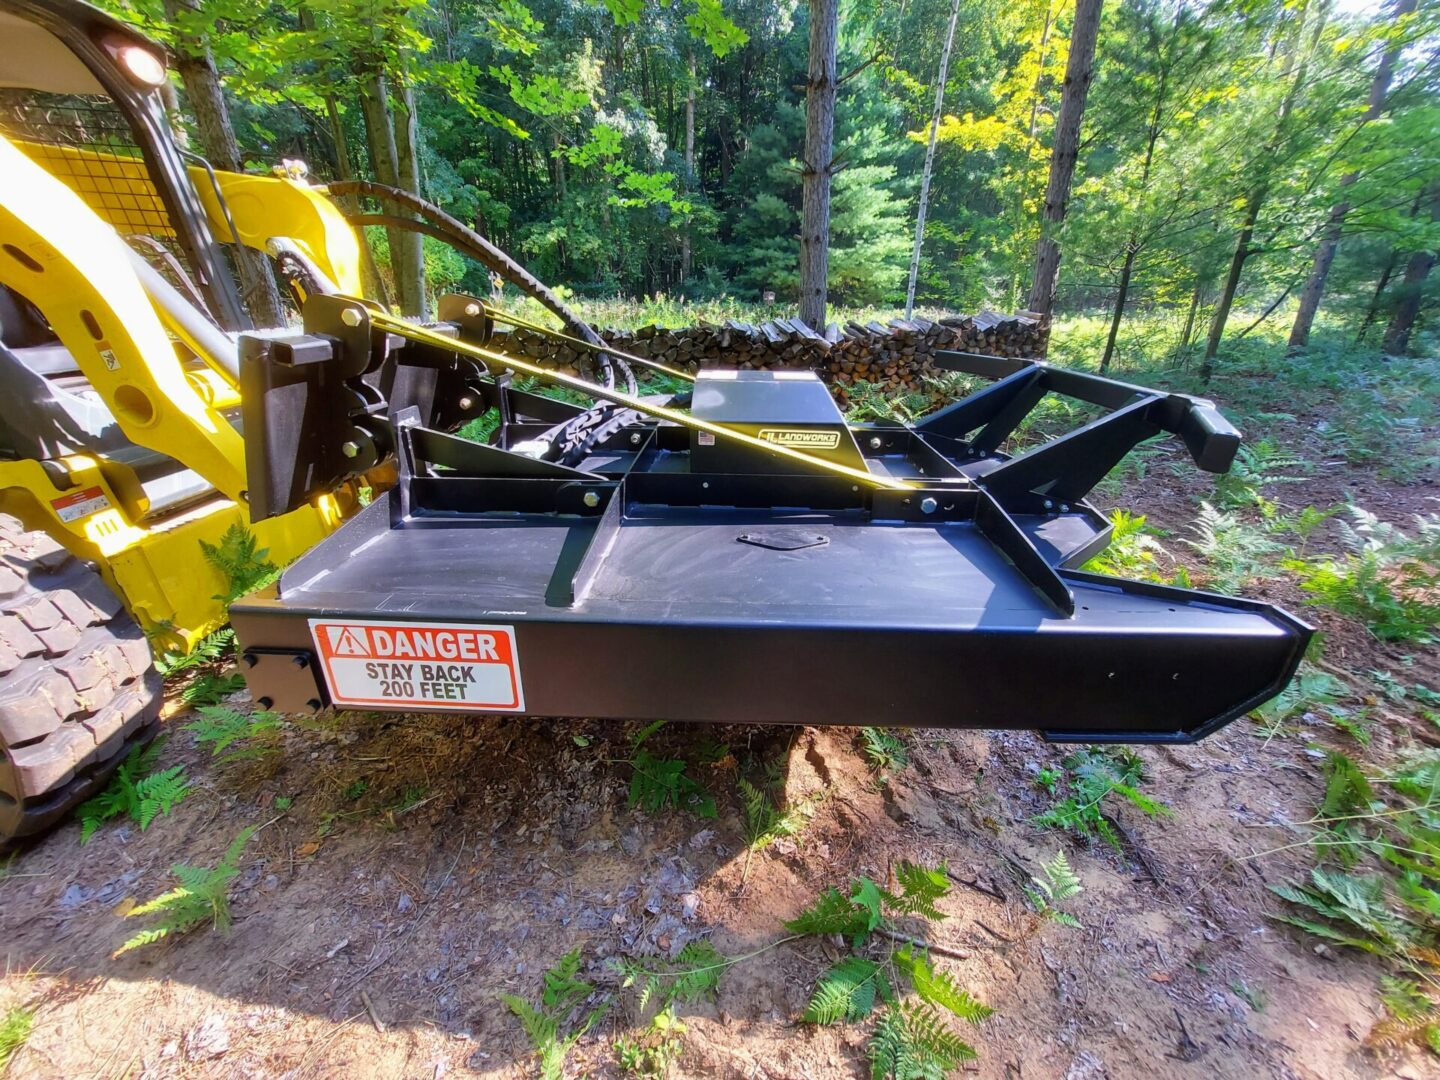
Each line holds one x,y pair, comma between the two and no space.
128,267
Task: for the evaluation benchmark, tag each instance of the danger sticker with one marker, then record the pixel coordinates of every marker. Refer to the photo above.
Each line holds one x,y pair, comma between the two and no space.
450,665
80,504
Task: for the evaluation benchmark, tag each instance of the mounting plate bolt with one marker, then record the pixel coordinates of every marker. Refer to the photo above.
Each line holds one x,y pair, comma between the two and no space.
1049,505
591,499
265,702
472,309
300,661
314,704
350,449
635,438
350,316
875,443
467,402
928,505
250,659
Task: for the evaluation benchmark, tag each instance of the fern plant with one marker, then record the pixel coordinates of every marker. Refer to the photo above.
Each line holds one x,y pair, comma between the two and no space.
135,792
910,1039
202,895
1056,884
1095,776
660,782
241,561
1257,466
694,973
257,734
1235,551
884,750
1389,580
765,822
547,1023
1412,1016
1131,551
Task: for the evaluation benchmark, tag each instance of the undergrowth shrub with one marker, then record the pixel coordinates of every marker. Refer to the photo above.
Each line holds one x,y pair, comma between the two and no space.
202,895
1096,777
135,792
1387,579
550,1023
911,1038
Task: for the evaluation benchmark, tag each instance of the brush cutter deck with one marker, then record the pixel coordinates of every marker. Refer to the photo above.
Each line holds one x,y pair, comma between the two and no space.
669,570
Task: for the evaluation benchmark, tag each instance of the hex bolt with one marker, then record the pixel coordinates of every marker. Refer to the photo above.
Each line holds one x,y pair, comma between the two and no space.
634,438
250,658
1064,508
350,449
928,505
467,402
265,702
472,309
300,661
591,499
1049,505
350,316
875,442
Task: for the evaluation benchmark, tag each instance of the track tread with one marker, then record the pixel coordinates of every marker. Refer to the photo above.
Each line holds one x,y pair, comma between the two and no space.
79,690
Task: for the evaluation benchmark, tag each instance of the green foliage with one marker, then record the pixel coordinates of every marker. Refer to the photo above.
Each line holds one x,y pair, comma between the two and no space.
202,895
220,729
652,1055
1095,775
910,1038
766,823
658,783
1257,466
212,649
1388,580
1310,691
847,991
1056,884
1235,551
1132,549
15,1027
694,973
241,562
884,750
135,792
547,1023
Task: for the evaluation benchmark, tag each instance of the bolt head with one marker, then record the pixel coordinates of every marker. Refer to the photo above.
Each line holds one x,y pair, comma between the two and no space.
928,505
634,438
1049,505
875,443
591,499
472,309
350,316
467,403
350,449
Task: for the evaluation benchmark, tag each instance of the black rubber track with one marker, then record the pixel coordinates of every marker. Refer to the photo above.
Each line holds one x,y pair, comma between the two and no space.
78,687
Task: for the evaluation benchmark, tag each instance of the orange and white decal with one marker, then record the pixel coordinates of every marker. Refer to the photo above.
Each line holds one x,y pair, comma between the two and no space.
420,665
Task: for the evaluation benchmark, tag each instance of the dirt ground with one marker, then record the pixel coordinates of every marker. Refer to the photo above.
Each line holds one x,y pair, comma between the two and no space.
428,863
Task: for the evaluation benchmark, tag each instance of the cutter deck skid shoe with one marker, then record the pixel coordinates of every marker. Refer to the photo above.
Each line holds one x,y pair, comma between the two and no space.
735,554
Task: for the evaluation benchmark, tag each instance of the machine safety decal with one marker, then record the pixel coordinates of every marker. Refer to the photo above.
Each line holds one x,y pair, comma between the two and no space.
450,665
80,504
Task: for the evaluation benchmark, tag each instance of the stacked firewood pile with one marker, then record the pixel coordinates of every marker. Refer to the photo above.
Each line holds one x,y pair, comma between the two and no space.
894,357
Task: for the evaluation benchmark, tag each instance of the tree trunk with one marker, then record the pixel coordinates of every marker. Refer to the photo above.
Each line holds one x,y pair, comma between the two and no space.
685,239
206,98
1330,240
384,161
343,169
930,159
1253,202
1079,68
1402,322
819,164
1120,295
407,160
1374,308
1196,294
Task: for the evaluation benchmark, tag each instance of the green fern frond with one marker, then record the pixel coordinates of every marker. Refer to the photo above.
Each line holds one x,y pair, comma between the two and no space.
939,987
920,887
563,986
934,1041
847,991
912,1043
699,968
131,793
1061,881
661,782
158,794
885,750
832,913
241,560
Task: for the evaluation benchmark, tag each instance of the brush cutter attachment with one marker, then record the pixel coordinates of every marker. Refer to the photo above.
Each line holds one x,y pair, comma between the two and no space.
738,553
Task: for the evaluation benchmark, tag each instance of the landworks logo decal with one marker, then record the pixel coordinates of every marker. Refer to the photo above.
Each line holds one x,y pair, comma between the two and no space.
801,440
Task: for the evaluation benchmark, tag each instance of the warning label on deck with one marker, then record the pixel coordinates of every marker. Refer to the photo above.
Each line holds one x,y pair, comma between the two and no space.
80,504
450,665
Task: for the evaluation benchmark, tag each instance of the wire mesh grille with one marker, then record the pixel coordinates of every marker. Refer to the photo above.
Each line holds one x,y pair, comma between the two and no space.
85,141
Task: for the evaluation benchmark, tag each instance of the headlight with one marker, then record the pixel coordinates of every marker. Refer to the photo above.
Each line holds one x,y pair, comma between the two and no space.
143,66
